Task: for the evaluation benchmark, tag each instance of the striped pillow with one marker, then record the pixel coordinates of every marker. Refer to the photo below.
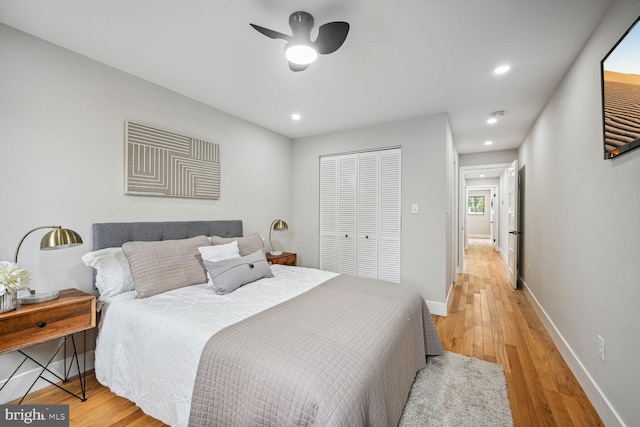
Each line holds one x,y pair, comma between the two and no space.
247,244
162,266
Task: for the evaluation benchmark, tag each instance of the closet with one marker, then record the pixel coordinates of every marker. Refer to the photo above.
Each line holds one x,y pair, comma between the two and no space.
360,214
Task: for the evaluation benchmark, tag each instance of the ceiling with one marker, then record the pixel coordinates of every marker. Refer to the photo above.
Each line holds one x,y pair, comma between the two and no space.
483,173
401,59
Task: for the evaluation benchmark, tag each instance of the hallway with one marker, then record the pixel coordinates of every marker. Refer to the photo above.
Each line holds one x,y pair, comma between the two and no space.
491,321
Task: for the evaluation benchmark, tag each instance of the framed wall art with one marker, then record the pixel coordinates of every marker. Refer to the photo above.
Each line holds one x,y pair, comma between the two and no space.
166,164
620,81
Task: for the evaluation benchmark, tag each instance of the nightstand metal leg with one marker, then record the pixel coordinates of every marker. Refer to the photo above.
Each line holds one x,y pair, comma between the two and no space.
82,376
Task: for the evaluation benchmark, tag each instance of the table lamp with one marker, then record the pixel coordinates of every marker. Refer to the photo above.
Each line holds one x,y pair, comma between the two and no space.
277,225
58,238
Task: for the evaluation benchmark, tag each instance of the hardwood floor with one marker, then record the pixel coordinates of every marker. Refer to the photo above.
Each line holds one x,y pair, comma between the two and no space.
487,319
102,407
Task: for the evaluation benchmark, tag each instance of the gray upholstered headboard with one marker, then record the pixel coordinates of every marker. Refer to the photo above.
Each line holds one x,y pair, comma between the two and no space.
115,234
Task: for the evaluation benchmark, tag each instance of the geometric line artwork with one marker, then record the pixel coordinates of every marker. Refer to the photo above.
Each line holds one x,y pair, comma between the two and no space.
162,163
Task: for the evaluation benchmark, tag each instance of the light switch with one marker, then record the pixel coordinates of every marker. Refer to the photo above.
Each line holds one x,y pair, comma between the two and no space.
414,208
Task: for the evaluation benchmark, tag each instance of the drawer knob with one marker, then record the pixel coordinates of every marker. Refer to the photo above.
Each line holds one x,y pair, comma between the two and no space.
42,324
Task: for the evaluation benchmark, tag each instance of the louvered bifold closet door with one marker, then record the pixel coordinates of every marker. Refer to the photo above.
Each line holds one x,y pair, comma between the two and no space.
367,251
328,213
389,231
347,193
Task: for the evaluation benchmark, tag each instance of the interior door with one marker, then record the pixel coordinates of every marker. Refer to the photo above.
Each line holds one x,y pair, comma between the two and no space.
328,214
347,208
494,220
367,228
512,213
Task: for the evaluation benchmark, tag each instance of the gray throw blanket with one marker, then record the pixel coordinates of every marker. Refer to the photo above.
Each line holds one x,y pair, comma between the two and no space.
344,353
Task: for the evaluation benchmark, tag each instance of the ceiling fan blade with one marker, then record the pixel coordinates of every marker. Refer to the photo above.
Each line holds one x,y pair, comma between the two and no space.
270,33
331,36
298,67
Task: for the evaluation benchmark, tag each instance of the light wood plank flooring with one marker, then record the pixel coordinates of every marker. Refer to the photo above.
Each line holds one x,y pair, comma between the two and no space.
487,319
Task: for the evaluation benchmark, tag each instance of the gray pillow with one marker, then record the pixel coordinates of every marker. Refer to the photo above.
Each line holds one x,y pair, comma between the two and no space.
229,274
247,244
161,266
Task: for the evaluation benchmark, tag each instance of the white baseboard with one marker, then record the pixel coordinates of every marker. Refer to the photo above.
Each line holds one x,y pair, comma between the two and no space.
437,308
502,254
479,236
603,407
20,383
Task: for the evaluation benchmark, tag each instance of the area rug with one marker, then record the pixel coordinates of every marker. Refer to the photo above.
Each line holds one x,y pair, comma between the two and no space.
456,390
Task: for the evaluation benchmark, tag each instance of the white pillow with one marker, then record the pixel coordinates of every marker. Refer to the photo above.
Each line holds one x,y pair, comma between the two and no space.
113,274
219,253
247,244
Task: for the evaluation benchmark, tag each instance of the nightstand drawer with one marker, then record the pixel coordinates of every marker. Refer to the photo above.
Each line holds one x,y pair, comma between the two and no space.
42,322
287,258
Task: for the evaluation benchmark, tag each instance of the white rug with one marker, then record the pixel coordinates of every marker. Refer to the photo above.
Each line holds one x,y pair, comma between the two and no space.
456,390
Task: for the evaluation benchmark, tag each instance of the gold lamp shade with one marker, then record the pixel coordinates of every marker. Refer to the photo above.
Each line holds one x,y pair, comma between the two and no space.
58,238
280,225
277,225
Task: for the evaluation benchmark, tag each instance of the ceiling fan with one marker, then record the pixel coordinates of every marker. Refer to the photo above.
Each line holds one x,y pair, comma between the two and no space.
300,51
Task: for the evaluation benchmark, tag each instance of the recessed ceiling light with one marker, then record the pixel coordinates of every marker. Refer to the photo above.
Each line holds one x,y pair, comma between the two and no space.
492,120
296,116
502,69
488,142
481,175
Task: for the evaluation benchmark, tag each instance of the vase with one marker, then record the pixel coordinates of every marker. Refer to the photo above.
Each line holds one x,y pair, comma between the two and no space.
8,301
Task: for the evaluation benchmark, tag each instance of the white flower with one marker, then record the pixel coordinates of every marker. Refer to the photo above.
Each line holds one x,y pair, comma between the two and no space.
13,278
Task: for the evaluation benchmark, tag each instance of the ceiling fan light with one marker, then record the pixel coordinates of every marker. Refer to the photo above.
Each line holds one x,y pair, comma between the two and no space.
301,54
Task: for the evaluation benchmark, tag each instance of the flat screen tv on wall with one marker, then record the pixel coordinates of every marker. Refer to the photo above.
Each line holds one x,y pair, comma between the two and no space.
620,71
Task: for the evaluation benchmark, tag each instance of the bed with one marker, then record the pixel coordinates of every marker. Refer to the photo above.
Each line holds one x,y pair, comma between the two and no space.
303,347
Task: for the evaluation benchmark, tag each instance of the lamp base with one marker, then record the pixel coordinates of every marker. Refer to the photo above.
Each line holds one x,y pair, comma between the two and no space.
275,253
41,297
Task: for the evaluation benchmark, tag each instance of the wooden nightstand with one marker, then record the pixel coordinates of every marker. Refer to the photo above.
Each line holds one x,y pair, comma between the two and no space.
287,258
30,324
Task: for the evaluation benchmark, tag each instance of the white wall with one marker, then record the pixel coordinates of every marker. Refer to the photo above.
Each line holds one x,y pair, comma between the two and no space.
62,138
426,260
451,196
488,158
582,227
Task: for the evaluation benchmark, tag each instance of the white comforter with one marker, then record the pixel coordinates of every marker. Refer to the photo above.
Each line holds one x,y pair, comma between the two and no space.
148,349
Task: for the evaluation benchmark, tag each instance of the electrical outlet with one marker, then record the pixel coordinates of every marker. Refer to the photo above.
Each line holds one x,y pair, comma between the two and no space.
528,268
414,208
601,347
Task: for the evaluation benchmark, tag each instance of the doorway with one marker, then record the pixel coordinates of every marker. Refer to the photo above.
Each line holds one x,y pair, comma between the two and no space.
482,176
482,217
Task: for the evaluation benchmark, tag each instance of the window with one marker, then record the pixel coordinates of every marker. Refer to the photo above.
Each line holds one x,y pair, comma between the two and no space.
476,205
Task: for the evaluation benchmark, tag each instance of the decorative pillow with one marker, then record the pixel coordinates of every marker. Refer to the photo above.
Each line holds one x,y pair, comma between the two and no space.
162,266
219,253
230,274
247,244
113,275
